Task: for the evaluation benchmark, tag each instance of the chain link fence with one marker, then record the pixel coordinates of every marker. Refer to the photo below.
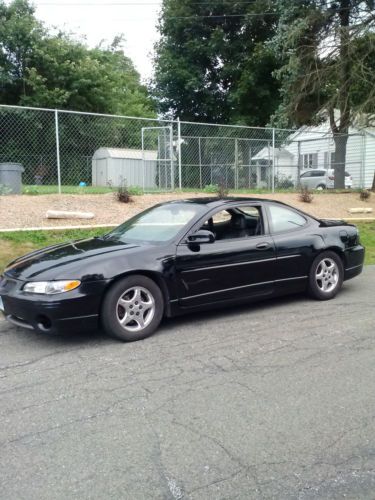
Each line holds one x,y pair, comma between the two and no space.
62,151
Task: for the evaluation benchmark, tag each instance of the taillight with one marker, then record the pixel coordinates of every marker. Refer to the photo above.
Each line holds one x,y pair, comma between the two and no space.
331,177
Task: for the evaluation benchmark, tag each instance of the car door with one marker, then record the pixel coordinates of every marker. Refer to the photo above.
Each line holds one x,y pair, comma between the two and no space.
295,246
306,179
319,178
230,268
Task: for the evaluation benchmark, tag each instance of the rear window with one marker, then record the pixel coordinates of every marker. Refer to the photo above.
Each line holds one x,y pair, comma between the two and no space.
284,219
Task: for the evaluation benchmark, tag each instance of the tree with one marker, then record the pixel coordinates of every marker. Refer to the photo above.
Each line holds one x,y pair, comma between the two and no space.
57,71
213,62
41,69
328,66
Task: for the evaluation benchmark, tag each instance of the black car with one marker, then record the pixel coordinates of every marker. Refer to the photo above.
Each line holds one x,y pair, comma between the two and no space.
178,257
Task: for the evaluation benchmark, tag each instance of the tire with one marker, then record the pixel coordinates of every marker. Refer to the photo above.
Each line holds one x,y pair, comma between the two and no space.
326,276
132,308
320,187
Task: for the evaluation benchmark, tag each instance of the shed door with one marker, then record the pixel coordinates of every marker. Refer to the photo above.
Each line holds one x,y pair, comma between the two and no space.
101,172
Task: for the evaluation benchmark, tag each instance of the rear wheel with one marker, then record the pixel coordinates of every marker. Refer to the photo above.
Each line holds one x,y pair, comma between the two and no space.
132,308
326,276
320,187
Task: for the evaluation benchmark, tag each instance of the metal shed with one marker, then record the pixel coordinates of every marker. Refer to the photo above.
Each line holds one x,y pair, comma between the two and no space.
133,166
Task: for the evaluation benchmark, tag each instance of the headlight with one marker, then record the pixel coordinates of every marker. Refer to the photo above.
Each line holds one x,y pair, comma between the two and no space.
51,287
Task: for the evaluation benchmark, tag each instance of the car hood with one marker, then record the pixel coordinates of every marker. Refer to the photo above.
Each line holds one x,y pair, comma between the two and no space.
82,259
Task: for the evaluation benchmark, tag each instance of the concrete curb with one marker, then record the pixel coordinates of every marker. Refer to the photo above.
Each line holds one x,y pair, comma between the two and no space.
57,228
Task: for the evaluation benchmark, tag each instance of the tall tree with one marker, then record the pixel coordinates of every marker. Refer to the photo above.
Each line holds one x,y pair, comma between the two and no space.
328,51
213,63
38,68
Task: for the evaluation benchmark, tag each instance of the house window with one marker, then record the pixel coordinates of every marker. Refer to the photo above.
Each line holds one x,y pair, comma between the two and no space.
309,160
329,160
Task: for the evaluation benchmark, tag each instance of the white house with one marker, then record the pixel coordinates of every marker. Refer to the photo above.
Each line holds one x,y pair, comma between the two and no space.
313,147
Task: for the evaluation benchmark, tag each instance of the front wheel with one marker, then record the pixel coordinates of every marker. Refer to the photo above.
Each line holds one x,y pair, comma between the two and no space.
326,276
132,308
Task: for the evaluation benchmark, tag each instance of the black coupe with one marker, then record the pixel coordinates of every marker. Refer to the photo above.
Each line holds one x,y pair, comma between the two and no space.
177,257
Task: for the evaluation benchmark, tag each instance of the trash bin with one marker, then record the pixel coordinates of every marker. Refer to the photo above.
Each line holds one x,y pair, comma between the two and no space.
11,176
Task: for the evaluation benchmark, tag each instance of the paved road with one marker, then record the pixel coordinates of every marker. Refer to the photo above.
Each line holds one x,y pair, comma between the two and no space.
268,401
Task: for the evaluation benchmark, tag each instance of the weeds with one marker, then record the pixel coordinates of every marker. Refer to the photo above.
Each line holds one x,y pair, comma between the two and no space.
364,194
222,191
306,195
123,194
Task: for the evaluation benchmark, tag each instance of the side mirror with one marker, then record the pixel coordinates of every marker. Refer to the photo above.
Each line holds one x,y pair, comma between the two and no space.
200,237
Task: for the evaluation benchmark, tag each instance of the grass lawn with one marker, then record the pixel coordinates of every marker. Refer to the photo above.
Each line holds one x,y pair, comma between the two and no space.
35,190
15,244
367,235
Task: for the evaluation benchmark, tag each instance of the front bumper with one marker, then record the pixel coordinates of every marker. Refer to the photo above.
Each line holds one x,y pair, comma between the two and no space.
72,312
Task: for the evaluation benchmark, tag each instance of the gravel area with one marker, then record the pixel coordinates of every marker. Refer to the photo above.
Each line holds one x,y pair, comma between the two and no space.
25,211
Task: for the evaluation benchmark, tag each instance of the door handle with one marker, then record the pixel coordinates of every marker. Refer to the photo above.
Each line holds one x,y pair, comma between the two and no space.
262,246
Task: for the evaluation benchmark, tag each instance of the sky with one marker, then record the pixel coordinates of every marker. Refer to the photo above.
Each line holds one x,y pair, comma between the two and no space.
98,20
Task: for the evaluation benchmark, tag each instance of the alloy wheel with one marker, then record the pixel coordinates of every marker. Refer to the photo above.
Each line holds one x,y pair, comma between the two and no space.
327,275
135,309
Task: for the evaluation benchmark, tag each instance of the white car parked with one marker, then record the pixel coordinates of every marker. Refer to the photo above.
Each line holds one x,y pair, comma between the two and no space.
319,178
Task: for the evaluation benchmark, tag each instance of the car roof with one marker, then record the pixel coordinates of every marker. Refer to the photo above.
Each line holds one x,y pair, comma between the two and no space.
213,201
315,169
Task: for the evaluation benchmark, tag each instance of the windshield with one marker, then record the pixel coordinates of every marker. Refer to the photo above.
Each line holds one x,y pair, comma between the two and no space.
157,224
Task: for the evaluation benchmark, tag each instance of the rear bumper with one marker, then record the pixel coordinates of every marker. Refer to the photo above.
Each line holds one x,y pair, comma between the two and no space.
354,259
71,312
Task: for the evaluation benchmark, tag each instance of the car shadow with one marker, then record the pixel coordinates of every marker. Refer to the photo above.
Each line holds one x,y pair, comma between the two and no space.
169,325
229,311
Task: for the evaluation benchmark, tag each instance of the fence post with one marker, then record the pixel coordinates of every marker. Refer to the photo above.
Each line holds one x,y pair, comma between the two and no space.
143,159
273,159
236,163
200,162
58,150
179,153
362,176
172,155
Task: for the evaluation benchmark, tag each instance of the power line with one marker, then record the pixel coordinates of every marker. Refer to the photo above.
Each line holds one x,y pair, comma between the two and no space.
138,4
147,4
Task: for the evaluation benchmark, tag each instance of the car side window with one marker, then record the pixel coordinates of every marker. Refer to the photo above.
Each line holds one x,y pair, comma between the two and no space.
235,222
284,219
306,174
318,173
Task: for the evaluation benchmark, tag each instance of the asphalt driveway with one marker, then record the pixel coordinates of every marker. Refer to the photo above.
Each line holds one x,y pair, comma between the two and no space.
268,401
